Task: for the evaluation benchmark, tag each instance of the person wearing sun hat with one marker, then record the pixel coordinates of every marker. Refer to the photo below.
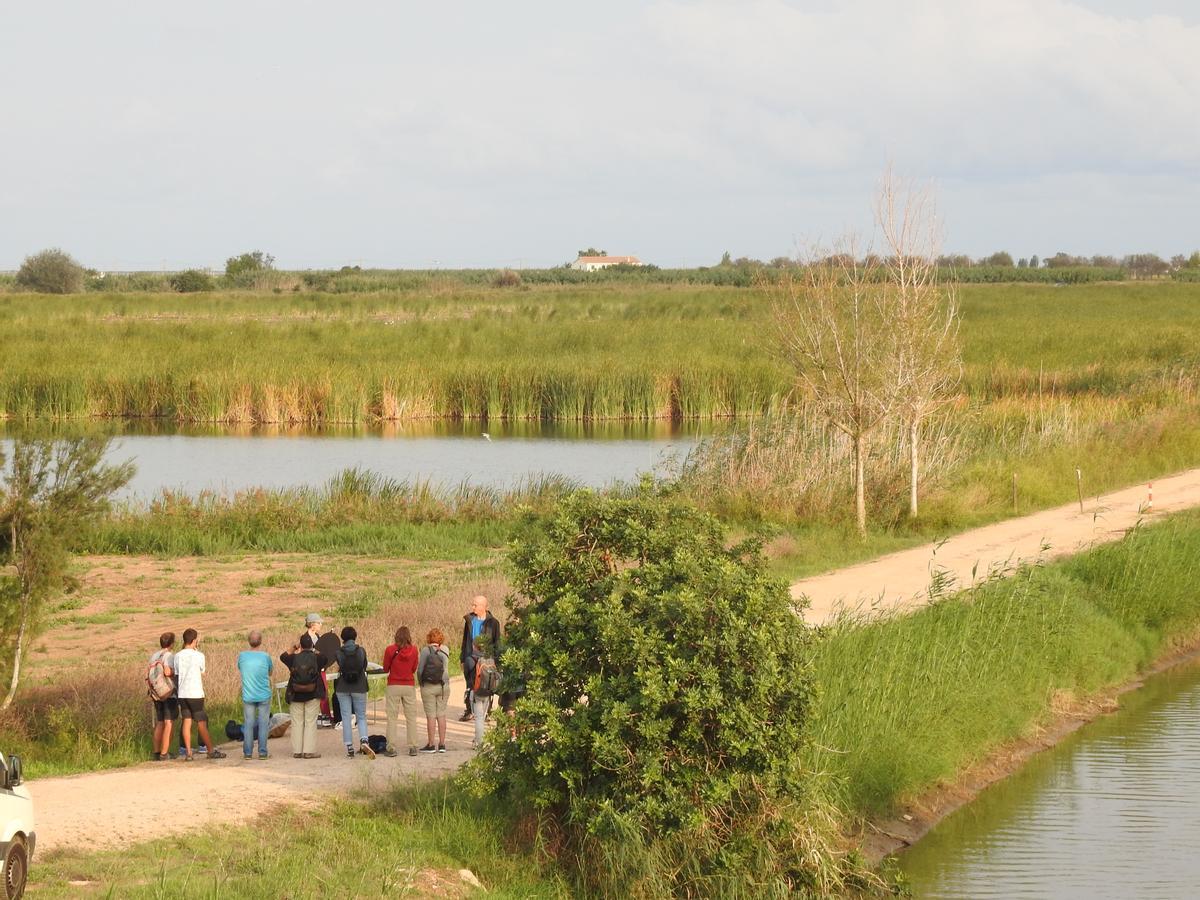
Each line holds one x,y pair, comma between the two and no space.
312,627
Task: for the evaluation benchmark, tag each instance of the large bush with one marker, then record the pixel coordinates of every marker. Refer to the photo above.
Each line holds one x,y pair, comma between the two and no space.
191,281
667,691
51,272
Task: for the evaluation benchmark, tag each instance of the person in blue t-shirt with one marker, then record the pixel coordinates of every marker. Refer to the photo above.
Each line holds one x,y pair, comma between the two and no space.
478,624
256,667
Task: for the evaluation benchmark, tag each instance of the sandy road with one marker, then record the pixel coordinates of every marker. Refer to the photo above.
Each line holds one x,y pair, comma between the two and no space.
901,581
125,806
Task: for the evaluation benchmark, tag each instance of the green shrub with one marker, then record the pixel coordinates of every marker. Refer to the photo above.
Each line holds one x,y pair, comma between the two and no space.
191,281
51,272
668,687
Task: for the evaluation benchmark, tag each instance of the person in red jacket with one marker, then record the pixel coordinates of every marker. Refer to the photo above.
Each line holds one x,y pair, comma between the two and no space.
400,663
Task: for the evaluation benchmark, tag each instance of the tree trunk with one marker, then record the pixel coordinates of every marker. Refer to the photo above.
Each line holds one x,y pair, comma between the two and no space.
914,429
860,471
16,663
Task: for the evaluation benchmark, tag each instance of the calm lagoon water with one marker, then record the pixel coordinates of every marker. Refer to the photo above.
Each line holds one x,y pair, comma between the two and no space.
1112,812
442,453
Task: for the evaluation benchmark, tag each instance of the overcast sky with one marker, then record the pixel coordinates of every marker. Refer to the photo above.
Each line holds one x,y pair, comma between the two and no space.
152,135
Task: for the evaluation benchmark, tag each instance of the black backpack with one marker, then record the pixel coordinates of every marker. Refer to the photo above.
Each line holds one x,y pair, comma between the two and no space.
352,666
306,672
434,670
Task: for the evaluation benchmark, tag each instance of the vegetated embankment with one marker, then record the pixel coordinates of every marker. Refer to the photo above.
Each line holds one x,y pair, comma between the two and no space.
910,703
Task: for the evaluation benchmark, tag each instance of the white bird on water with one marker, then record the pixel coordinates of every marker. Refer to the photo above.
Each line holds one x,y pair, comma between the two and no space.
486,436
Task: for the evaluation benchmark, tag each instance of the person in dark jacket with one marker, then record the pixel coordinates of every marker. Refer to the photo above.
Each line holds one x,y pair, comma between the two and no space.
478,624
351,692
305,691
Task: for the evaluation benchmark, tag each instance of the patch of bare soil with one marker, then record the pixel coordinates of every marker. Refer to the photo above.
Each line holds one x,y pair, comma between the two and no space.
125,602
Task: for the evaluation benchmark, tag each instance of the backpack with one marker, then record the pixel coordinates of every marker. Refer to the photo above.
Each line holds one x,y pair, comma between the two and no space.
434,670
234,732
487,677
377,742
158,685
352,666
306,672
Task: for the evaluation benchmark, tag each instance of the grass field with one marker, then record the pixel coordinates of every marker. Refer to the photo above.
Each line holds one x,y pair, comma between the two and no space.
552,352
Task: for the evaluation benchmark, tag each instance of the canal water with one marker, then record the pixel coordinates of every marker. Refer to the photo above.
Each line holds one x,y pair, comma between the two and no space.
1112,812
441,453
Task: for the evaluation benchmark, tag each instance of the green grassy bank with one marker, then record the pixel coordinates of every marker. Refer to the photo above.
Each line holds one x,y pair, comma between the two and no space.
409,843
909,702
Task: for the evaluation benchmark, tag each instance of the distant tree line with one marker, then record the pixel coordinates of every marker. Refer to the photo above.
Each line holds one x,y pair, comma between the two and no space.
55,271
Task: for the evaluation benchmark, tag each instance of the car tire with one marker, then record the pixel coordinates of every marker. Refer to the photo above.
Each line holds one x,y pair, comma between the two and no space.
16,869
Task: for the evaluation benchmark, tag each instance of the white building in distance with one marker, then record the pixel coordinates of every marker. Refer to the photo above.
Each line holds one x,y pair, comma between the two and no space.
594,263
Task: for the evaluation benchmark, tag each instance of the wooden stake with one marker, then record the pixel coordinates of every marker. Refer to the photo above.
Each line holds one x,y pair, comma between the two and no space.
1014,493
1079,487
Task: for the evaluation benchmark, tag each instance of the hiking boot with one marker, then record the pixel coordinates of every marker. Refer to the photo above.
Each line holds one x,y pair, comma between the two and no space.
216,754
350,751
297,756
312,755
466,717
390,752
412,751
441,748
428,748
247,756
365,749
264,756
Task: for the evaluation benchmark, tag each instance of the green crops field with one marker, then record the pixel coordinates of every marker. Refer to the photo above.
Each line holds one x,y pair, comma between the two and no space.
603,351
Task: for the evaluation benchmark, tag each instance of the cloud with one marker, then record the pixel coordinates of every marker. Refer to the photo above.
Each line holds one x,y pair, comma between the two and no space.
994,87
673,129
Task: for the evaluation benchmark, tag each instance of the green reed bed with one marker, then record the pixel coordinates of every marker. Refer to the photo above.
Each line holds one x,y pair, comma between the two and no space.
355,512
909,701
601,350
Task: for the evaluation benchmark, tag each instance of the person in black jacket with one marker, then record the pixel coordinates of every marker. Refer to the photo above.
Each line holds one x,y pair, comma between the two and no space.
478,624
305,691
351,692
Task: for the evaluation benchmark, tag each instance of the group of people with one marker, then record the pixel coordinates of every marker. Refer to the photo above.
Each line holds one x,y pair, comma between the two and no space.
175,681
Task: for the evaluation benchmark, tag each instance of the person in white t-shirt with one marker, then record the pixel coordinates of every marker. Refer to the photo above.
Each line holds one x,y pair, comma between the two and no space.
189,680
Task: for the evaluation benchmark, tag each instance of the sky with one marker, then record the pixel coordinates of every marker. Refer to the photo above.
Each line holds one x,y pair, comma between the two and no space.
164,136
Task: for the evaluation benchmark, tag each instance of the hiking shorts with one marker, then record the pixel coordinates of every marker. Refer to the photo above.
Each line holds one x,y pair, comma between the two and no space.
193,708
433,699
166,710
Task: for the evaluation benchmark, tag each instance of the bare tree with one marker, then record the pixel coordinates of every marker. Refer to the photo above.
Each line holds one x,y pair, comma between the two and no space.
927,364
833,322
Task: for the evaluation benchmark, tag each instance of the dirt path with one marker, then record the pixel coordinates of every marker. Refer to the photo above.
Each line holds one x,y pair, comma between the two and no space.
901,580
113,809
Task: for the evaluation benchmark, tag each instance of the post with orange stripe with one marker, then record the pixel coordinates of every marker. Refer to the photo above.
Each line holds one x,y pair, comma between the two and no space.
1150,495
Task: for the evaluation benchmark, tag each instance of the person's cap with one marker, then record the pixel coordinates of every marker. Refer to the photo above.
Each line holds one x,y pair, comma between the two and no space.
313,619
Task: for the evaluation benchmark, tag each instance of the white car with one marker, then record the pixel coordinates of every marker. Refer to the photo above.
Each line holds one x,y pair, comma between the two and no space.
17,835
